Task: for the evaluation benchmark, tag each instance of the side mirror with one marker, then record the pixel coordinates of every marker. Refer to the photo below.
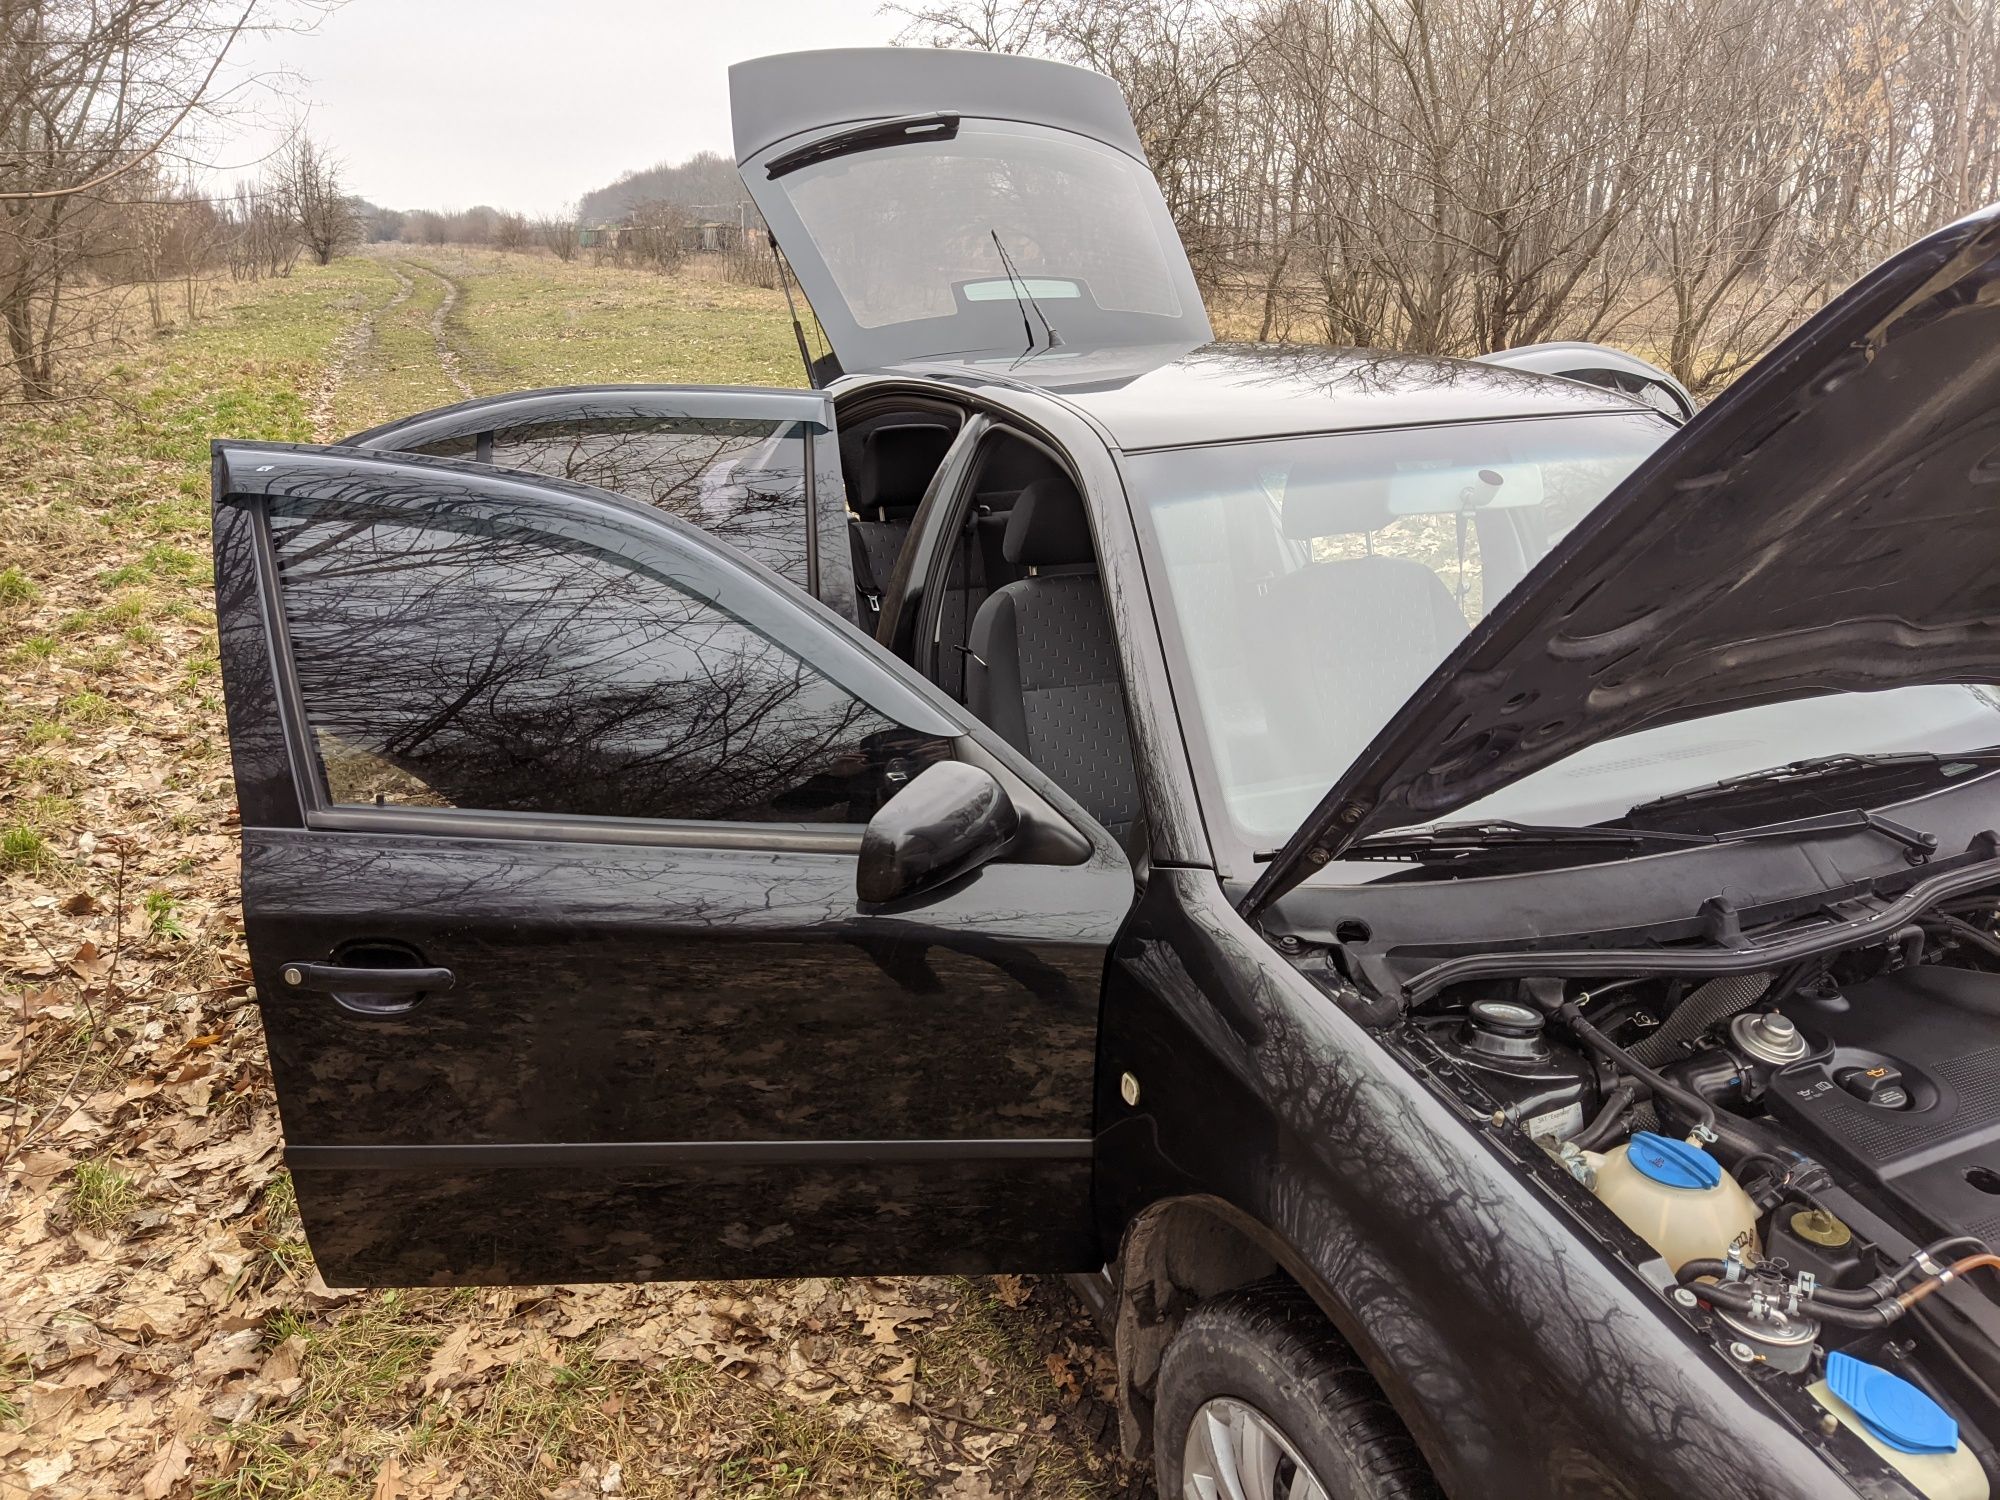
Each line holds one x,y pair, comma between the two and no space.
951,819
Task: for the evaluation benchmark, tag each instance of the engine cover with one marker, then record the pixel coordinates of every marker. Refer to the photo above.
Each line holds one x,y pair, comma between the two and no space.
1924,1046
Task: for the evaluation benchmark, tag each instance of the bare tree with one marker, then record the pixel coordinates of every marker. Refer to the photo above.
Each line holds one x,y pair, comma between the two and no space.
262,241
1454,176
322,213
92,92
558,233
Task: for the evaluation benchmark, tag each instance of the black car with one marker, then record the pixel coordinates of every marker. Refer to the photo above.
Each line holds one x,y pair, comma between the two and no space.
1465,907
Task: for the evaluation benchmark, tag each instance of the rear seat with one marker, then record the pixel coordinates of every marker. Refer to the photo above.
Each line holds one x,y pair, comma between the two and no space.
897,462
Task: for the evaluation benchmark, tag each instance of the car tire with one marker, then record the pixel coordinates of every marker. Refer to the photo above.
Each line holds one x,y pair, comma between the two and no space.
1276,1390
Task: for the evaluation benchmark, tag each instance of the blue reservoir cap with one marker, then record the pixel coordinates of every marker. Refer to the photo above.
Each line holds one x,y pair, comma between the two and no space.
1890,1407
1671,1162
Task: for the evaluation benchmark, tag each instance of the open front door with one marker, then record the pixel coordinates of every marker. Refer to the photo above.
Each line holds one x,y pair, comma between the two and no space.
754,467
551,812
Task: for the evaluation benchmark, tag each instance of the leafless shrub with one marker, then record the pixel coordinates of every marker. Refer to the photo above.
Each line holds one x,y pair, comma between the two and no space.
262,241
557,233
656,235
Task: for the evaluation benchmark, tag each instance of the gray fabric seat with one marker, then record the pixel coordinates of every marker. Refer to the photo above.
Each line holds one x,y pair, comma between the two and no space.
1043,670
976,566
897,462
1390,620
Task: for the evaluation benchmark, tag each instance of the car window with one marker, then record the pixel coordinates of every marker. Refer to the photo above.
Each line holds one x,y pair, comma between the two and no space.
741,480
486,655
1314,582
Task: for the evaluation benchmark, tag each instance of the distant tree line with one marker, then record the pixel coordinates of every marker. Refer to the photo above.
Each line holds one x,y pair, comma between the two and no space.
705,177
1454,176
620,225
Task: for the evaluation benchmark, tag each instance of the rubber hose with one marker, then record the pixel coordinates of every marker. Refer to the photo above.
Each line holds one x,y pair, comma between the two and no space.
1608,1120
1738,1298
1735,1138
1598,1042
1965,932
1873,1295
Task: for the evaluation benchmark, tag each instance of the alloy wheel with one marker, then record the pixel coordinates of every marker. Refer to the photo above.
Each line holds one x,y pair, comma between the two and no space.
1235,1452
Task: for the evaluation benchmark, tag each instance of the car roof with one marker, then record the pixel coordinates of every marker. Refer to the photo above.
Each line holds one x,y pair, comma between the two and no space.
1218,393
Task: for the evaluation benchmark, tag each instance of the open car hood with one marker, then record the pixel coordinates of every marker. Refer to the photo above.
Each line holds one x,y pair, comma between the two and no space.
1831,523
937,203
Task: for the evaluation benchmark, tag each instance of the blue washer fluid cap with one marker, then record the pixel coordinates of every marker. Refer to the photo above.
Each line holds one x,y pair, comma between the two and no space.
1890,1407
1671,1162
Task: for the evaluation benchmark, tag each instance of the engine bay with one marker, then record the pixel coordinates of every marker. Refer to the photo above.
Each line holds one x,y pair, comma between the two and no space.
1804,1160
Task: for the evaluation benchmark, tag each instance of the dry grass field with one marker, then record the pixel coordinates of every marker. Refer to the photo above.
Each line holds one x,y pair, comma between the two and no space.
163,1332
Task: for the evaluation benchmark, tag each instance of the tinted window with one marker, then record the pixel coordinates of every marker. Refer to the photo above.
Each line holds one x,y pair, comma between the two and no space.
741,480
488,656
988,233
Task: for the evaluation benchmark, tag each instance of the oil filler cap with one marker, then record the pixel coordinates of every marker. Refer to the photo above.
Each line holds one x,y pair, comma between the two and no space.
1890,1407
1672,1163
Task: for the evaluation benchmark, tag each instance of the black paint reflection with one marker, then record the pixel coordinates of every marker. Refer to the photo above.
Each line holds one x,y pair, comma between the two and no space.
740,480
460,654
612,994
542,1225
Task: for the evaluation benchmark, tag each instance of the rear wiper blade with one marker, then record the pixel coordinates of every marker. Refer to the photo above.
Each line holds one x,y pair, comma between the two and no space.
870,135
1800,772
1450,840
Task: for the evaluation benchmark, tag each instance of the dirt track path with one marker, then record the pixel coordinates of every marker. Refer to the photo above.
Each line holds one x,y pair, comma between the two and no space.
348,352
447,356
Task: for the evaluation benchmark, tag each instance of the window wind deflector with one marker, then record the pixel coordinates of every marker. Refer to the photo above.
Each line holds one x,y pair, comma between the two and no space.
871,135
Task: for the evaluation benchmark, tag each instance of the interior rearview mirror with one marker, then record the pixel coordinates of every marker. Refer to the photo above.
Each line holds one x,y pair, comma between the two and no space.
951,819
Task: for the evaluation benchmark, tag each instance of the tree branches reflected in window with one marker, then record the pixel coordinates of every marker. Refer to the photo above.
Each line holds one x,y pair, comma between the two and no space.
741,480
474,655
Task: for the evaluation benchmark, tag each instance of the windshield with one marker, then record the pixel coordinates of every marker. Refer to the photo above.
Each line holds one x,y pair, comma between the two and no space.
1311,584
986,239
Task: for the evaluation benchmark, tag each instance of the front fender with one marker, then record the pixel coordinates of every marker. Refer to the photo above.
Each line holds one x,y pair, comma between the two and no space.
1524,1358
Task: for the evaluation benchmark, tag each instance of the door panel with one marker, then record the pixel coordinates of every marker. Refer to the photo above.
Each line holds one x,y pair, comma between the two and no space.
672,1043
728,1056
756,468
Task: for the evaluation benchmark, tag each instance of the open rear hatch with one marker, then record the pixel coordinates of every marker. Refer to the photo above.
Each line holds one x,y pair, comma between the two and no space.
961,205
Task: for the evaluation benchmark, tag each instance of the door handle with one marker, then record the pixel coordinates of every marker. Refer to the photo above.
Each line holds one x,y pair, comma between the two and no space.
368,991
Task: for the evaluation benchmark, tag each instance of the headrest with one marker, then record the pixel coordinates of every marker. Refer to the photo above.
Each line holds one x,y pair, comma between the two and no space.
897,462
1047,527
1335,507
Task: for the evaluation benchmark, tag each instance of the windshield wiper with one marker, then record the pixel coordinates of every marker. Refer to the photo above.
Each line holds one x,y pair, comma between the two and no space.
1019,285
1455,840
1805,772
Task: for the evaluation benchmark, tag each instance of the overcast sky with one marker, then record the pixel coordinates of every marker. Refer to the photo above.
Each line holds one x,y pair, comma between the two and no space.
526,104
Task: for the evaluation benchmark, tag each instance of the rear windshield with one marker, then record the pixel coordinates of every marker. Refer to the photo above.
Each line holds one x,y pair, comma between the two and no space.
990,232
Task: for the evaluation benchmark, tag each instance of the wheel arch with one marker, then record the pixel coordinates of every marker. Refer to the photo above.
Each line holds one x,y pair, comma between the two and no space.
1180,1252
